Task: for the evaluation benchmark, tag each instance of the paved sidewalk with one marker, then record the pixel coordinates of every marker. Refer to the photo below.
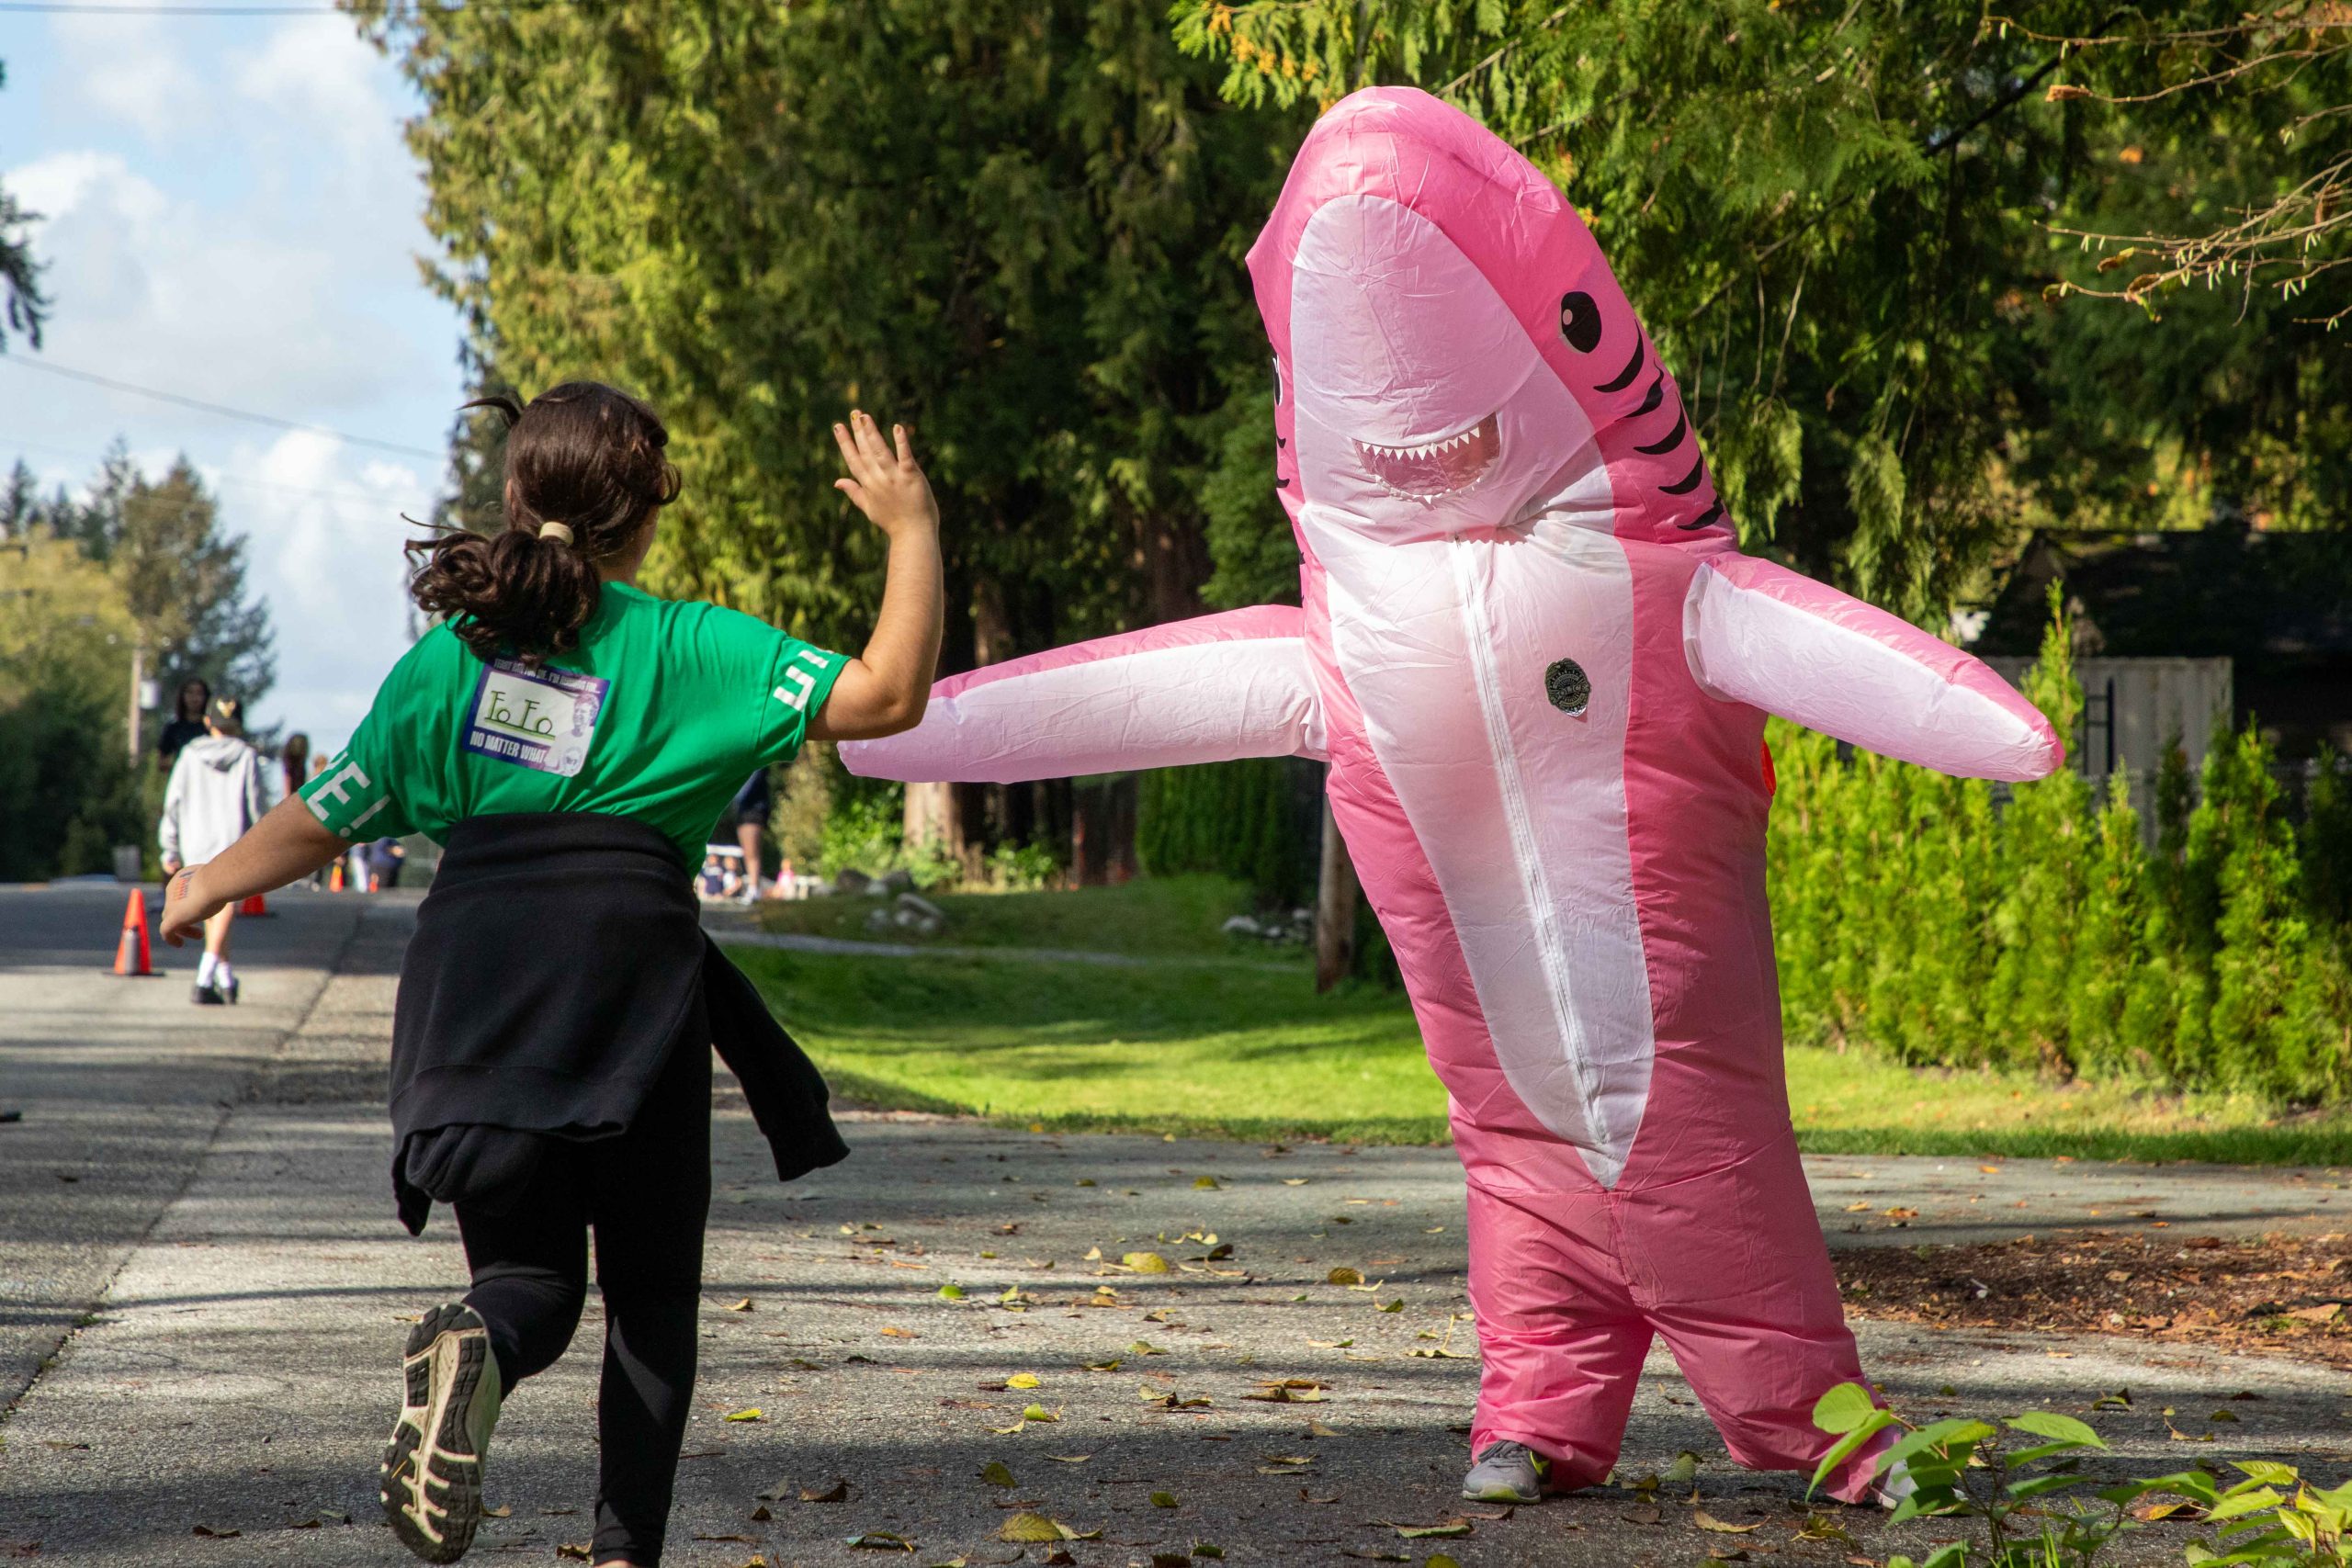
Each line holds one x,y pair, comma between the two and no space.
240,1373
119,1085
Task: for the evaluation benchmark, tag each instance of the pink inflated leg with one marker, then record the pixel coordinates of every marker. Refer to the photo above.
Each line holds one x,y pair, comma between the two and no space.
1728,1268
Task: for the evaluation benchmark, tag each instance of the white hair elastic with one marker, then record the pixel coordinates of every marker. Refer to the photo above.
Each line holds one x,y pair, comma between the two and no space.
560,533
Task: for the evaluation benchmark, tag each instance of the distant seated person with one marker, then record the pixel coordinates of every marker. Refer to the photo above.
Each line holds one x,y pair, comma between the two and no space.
384,857
187,724
722,875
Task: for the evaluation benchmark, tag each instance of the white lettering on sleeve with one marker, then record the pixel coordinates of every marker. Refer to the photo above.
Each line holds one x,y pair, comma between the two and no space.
798,698
335,786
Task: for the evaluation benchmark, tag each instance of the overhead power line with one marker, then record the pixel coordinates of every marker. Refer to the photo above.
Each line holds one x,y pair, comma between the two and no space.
67,8
142,8
221,410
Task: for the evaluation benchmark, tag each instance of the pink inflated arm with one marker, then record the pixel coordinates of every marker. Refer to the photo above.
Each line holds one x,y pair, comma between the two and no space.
1761,634
1209,690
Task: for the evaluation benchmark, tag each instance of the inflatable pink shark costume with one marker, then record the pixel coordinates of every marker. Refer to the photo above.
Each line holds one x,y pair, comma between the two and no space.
1539,668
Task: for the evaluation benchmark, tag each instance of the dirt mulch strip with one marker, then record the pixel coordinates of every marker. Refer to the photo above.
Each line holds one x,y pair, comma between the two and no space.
2286,1293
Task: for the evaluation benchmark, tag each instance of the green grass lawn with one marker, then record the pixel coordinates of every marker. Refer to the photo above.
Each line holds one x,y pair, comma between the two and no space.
1217,1049
1171,917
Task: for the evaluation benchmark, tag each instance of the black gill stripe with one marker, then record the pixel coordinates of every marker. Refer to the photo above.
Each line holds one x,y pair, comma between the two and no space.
1655,395
1673,437
1711,515
1633,367
1689,482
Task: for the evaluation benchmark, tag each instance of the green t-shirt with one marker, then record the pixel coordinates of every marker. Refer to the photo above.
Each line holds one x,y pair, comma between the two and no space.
659,716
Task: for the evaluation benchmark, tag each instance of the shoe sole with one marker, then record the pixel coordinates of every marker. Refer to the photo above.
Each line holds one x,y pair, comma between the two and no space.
1501,1495
431,1477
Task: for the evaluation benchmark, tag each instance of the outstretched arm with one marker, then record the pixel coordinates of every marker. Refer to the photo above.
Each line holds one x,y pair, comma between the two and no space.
881,692
1756,633
290,843
1201,690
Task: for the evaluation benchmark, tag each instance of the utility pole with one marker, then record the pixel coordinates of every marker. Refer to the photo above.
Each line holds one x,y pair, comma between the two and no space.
138,680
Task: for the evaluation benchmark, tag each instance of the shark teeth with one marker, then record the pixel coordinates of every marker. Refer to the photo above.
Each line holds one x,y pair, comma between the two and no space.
1435,469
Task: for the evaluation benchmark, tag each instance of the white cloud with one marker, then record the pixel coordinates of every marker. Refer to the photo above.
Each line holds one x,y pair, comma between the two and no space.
324,538
132,74
325,78
231,215
173,292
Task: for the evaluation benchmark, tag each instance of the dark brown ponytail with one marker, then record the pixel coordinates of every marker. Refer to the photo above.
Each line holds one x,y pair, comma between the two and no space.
582,456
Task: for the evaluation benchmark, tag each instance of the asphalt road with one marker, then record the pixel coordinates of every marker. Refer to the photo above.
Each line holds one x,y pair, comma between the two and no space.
119,1085
227,1398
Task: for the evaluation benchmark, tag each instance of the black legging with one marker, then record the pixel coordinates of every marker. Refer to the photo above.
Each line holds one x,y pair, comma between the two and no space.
648,1195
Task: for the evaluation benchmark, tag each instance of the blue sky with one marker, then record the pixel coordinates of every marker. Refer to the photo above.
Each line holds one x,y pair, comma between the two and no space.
231,216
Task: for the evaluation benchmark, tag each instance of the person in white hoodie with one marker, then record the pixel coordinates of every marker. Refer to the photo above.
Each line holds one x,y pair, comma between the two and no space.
216,793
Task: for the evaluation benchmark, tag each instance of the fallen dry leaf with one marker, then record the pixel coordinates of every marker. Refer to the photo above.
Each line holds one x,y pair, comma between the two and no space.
837,1492
1028,1527
743,1305
1707,1521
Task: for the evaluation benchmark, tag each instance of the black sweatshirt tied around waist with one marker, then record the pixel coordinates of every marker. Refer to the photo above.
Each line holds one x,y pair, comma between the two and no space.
558,960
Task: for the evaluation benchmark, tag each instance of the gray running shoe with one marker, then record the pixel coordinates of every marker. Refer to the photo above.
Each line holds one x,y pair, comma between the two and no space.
431,1488
1506,1473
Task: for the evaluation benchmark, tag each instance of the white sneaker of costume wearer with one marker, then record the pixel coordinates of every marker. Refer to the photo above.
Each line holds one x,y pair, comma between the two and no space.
431,1477
1896,1486
1506,1471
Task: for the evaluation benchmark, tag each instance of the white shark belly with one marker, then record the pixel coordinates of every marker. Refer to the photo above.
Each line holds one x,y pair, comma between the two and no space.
1446,644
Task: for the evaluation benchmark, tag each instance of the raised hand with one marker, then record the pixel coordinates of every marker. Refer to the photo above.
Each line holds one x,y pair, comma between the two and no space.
885,481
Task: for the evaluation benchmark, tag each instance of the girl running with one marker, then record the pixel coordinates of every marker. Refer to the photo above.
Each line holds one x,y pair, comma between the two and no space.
569,739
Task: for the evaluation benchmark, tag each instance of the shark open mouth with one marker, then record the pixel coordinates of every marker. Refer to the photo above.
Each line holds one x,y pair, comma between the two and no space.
1431,472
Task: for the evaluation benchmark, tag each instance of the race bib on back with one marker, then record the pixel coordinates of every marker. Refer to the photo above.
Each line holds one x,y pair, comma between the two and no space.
541,719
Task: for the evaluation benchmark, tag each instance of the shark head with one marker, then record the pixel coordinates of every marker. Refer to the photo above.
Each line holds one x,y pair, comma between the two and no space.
1451,351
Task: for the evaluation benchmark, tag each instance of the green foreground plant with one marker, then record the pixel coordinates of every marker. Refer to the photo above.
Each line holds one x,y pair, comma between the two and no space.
2037,1509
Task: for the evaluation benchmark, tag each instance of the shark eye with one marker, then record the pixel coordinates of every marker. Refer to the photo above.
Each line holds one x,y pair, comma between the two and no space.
1278,383
1579,321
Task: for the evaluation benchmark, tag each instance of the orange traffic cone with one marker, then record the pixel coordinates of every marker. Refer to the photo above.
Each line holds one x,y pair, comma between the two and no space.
257,905
131,956
335,878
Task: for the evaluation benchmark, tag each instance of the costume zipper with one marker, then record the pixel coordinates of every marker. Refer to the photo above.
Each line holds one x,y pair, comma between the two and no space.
1478,632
